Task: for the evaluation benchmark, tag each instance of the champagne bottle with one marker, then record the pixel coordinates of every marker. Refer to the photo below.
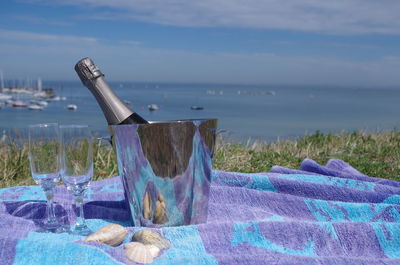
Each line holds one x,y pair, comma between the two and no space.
115,111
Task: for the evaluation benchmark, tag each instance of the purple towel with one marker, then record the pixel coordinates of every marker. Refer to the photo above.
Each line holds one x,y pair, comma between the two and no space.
329,214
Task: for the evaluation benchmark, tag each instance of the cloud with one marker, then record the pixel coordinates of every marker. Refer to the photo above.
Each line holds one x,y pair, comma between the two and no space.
28,37
53,57
41,20
131,42
330,17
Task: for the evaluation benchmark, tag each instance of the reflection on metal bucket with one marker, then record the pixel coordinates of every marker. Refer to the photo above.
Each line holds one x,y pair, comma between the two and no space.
165,168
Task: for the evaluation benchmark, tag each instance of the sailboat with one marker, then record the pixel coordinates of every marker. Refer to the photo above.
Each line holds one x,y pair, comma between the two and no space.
72,107
4,97
152,107
35,107
19,104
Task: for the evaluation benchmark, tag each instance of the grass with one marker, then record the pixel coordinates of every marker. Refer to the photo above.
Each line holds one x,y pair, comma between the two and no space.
15,171
376,154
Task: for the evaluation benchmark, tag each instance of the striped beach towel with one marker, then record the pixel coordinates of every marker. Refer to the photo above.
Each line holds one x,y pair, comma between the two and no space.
317,214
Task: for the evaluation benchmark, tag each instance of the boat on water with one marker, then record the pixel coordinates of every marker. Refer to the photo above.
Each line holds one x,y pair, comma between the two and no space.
13,94
72,107
19,104
41,103
40,94
196,108
56,98
153,107
4,97
35,107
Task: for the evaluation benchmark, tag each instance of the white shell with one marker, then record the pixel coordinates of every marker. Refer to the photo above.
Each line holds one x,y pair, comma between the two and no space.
149,237
112,235
140,253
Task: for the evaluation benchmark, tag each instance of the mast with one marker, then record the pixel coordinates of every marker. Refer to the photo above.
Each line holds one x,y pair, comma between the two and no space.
39,84
1,81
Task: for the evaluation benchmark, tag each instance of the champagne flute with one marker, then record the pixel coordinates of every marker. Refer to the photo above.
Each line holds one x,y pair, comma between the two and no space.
44,160
77,168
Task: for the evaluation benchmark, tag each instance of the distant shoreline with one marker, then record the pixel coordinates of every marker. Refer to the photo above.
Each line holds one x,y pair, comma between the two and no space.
258,113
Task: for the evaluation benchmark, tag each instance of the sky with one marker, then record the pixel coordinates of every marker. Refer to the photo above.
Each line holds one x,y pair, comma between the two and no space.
306,42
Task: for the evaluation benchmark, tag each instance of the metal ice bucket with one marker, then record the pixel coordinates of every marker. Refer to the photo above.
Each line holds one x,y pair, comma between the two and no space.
165,168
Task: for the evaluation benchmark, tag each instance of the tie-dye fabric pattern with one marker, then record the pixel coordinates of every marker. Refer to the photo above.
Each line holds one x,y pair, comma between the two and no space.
329,214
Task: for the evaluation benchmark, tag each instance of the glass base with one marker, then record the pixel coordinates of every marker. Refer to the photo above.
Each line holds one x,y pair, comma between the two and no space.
52,228
82,230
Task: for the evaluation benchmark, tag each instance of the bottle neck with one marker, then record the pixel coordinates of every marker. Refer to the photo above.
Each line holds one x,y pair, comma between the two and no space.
113,108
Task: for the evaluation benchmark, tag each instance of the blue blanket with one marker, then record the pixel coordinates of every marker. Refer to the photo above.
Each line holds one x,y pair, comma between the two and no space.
329,214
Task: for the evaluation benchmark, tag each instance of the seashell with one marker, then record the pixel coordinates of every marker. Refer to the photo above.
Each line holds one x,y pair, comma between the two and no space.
160,213
149,237
160,197
141,253
147,206
112,235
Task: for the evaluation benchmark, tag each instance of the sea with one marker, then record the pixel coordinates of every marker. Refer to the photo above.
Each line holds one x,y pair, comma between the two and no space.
245,113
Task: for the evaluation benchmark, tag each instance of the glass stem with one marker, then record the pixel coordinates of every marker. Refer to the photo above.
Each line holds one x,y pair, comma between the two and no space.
80,219
51,217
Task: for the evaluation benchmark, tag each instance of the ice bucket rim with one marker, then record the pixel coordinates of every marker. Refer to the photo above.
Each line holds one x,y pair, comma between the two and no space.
183,121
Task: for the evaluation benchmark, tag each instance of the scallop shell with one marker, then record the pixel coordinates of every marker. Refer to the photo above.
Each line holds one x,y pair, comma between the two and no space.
141,253
112,235
160,213
147,206
149,237
160,197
